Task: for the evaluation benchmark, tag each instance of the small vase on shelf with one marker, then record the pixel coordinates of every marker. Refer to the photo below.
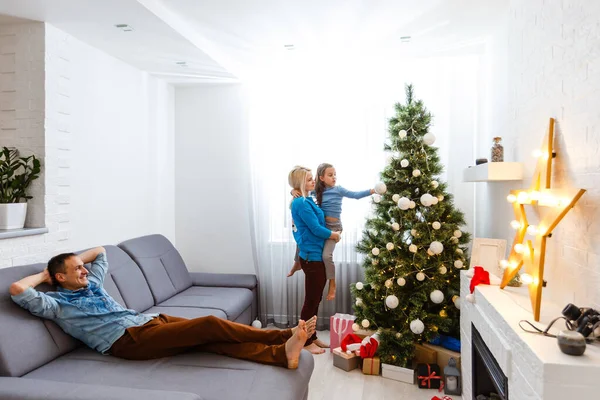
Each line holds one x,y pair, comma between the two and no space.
497,150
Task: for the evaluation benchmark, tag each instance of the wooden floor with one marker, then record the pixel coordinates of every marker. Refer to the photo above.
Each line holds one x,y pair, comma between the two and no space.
331,383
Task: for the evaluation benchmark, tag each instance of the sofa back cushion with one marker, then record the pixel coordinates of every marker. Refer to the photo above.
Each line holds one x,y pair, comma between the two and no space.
161,264
125,281
27,342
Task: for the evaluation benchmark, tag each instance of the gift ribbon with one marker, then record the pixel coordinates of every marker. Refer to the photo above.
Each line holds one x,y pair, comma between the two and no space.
371,372
427,379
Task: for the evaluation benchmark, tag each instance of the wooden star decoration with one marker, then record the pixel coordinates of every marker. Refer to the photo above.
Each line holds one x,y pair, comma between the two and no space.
552,205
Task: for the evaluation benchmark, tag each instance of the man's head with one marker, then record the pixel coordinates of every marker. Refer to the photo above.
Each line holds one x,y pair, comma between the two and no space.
67,270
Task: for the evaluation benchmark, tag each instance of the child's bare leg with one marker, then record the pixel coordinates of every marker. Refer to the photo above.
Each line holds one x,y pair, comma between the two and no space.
331,291
295,268
329,267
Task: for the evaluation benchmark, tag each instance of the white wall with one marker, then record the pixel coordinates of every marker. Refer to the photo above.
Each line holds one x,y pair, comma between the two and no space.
212,179
553,69
108,144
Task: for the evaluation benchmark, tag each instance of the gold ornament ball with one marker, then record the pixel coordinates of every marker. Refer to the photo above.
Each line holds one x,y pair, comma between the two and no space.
454,298
434,328
443,314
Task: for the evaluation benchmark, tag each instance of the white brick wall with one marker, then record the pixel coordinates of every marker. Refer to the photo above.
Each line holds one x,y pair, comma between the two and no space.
34,117
553,64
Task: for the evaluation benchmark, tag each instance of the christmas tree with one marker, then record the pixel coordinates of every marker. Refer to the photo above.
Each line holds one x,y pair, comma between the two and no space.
413,244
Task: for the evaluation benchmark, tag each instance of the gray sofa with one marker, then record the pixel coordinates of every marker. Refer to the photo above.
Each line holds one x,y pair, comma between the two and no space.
39,361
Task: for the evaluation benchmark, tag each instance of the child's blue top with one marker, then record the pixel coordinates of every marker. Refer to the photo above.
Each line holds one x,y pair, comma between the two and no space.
309,228
332,199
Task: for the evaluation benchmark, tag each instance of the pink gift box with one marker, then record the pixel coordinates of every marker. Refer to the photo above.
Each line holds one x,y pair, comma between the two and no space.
339,326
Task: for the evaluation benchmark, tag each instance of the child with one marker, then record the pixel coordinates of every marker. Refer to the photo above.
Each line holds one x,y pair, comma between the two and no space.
329,198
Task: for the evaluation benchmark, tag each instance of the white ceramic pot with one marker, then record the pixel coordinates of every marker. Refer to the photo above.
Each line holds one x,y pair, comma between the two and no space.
12,215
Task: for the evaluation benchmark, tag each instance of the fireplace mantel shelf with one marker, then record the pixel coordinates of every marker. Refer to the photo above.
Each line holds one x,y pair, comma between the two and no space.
535,367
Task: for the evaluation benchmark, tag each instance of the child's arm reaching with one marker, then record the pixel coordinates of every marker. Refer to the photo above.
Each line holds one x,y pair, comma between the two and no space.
355,195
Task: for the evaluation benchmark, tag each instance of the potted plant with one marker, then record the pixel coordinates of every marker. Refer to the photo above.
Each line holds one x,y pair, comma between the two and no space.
16,174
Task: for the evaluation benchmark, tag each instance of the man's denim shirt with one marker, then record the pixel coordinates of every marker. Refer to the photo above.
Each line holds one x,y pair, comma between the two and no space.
88,314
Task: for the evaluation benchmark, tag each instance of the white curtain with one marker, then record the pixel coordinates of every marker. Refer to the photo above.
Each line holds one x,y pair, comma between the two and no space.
305,113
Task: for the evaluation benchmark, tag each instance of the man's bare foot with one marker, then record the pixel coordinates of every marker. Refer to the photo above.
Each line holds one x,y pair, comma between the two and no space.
313,348
321,343
295,344
331,291
295,268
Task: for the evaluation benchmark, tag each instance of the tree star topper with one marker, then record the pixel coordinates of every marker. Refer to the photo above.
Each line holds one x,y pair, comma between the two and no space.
552,205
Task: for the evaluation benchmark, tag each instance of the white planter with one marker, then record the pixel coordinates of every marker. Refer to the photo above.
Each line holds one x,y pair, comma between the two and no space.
398,373
12,215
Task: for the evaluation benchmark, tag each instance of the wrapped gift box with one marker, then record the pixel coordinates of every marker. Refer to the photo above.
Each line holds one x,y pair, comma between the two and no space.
444,355
425,355
345,361
429,376
398,373
371,366
339,326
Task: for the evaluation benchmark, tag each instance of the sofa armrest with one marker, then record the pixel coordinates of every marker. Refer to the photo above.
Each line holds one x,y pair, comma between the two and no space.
247,281
34,389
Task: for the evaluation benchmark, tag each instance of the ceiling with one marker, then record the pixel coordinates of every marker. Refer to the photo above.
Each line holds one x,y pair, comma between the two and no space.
220,40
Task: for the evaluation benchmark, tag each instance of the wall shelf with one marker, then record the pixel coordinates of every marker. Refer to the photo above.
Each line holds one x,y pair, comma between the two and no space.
493,172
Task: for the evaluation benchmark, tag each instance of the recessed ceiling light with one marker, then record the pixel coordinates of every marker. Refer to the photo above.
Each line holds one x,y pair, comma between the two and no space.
124,27
181,63
289,46
405,39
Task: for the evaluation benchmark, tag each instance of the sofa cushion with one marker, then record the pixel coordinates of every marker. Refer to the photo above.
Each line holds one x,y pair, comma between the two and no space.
161,264
27,342
211,376
186,312
232,301
128,280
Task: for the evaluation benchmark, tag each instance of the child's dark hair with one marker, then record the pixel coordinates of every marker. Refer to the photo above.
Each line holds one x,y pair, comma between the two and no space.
320,185
56,265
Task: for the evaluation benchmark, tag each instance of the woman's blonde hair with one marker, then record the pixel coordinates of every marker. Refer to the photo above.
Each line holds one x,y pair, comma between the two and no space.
297,179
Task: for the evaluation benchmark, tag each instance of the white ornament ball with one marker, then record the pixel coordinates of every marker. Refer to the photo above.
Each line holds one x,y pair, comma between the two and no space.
396,226
412,248
392,301
434,184
434,200
413,232
404,163
389,283
359,286
401,281
431,253
426,199
412,204
395,198
459,251
355,327
402,134
457,233
375,251
440,198
358,302
457,303
442,270
470,298
436,247
458,264
429,139
454,239
365,323
256,324
398,335
416,173
376,198
403,203
417,326
390,246
380,188
436,225
420,276
436,296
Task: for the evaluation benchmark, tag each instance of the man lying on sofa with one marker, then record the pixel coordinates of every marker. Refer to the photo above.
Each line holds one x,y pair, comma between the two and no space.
84,310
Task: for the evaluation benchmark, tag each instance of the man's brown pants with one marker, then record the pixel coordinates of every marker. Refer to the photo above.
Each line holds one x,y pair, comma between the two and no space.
166,336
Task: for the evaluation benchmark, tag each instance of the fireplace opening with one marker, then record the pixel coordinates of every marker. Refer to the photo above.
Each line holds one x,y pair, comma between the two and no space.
489,382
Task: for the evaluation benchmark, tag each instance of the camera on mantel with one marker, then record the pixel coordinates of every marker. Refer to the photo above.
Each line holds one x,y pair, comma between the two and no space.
584,320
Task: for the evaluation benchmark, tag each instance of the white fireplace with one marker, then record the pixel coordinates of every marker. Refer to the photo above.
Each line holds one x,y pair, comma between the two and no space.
533,364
